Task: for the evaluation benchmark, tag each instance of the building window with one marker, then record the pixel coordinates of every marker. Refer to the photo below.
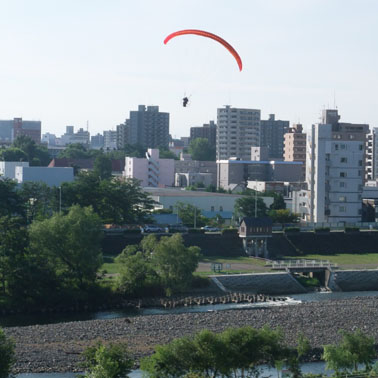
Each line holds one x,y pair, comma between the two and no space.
212,208
336,147
343,160
342,184
342,199
220,208
361,147
343,174
342,209
343,146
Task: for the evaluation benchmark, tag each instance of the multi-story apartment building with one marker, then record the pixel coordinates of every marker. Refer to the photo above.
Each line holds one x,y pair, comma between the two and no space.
371,164
11,129
70,137
335,170
208,131
152,171
237,131
97,141
147,127
272,136
295,146
110,140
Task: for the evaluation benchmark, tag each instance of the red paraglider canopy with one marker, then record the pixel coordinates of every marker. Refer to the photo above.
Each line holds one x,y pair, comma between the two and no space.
208,35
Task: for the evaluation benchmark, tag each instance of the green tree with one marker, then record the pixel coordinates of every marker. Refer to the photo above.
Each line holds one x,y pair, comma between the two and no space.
7,355
37,155
77,151
244,350
355,348
283,216
175,263
136,276
38,199
13,154
337,358
165,153
233,353
278,202
360,346
190,215
70,245
200,149
114,200
11,203
245,207
102,167
13,244
107,361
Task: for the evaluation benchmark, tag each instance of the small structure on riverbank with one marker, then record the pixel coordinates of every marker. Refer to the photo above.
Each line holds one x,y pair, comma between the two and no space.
255,232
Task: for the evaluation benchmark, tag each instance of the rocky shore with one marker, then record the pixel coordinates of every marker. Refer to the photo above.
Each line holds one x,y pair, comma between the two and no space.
57,347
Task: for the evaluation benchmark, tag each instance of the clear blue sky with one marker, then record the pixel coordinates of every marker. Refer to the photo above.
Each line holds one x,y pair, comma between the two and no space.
68,61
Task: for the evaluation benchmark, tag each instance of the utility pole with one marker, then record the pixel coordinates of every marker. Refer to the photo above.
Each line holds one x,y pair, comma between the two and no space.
60,199
255,199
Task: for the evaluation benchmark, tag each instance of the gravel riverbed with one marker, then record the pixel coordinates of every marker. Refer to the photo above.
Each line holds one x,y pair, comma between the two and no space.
57,347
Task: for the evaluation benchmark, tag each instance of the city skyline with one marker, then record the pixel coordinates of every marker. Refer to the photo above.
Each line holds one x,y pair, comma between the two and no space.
72,62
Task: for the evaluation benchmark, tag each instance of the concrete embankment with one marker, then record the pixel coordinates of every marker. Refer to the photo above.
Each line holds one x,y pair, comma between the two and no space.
57,347
353,280
264,283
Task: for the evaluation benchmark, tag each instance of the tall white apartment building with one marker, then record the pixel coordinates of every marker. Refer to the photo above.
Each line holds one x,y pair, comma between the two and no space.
335,170
371,168
151,171
237,131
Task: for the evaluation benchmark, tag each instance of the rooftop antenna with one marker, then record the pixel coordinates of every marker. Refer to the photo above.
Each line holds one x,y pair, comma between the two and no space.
87,125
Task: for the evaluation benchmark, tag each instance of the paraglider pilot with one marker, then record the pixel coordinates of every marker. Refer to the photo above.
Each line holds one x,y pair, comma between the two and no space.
185,101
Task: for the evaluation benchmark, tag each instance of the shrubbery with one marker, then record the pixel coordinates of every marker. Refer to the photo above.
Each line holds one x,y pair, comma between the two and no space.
351,229
230,231
288,230
320,230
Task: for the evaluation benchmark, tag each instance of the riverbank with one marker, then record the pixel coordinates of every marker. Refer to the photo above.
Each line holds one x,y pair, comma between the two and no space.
57,347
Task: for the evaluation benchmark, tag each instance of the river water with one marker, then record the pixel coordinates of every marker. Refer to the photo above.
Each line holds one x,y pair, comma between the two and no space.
23,320
311,367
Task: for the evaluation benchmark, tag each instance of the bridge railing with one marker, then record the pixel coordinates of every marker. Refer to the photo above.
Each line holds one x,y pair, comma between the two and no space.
283,264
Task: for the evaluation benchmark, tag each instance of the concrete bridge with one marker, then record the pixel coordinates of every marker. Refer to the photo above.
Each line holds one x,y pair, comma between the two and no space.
303,266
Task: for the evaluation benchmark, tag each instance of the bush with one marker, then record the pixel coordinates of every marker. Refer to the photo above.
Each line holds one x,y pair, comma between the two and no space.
288,230
196,231
111,361
308,281
351,229
322,230
230,231
132,231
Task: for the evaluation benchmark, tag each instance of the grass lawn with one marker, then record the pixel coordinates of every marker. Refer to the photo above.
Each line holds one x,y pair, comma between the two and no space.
344,259
110,265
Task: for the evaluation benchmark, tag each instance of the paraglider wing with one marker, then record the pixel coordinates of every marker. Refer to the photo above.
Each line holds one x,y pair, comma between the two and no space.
208,35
